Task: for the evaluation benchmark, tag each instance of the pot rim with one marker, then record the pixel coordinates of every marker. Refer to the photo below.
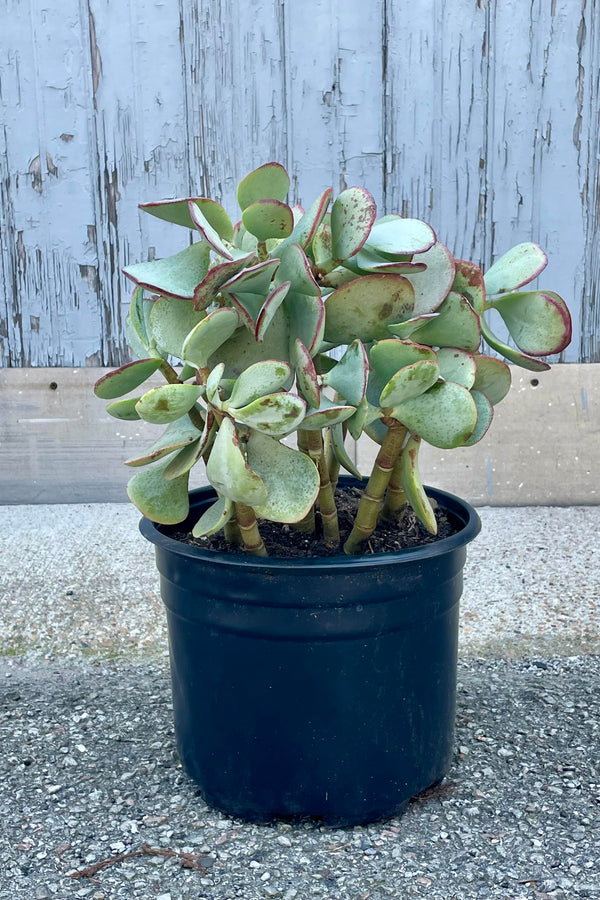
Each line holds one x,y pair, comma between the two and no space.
456,506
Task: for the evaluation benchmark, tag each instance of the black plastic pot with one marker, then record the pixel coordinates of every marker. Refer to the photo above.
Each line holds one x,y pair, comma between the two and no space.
317,687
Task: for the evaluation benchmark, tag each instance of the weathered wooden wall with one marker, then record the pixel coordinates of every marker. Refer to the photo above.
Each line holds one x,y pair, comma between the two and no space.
481,117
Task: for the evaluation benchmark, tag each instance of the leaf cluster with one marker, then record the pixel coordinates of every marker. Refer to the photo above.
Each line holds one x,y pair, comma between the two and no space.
280,335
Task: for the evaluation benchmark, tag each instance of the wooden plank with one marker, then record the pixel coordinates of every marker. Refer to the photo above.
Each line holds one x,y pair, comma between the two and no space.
334,97
235,104
139,147
57,444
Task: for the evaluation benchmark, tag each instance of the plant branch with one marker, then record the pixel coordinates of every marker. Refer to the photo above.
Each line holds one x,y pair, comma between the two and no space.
395,498
326,500
372,498
248,527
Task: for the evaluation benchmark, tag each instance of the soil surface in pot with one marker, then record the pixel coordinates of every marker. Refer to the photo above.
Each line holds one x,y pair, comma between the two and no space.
287,541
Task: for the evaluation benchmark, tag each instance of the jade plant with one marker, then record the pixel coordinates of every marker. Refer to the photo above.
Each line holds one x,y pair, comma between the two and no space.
282,334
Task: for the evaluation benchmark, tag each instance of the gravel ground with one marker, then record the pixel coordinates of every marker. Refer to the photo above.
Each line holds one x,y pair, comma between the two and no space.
89,771
79,580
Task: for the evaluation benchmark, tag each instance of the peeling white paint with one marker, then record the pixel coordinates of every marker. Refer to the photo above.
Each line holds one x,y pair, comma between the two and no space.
479,117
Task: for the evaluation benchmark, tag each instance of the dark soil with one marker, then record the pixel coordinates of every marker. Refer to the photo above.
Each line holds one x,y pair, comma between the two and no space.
287,541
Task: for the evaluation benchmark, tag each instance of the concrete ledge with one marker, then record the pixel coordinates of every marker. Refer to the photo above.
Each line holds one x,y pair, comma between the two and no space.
58,445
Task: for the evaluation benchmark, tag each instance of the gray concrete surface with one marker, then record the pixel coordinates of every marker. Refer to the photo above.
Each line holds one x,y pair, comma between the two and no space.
89,772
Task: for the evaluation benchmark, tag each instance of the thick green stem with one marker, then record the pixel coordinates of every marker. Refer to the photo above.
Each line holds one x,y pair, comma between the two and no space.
326,500
232,532
395,498
372,498
248,527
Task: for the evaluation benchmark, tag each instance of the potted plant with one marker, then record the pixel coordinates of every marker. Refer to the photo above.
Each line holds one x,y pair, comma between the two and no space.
320,682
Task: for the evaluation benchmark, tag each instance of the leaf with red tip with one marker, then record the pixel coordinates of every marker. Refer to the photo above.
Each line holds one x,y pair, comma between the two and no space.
434,284
306,227
215,278
268,182
306,373
210,234
177,212
485,414
456,325
538,321
125,379
363,308
400,236
515,356
468,281
349,376
269,308
492,378
173,276
515,268
444,416
208,335
352,217
267,219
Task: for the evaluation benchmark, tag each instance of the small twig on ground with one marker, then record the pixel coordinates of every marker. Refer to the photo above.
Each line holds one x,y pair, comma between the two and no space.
188,860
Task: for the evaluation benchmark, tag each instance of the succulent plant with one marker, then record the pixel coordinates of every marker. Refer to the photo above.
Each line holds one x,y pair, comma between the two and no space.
242,324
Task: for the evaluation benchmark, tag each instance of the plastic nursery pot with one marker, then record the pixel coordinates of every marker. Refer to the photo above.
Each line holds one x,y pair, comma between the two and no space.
314,687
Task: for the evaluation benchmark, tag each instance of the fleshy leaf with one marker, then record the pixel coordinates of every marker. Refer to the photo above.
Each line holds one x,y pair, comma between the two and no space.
177,435
485,414
291,479
368,260
124,409
164,502
413,486
125,379
401,237
322,248
326,415
538,321
515,356
268,219
405,330
269,308
215,278
456,325
173,276
306,373
276,414
177,212
352,216
433,285
270,181
215,518
340,452
357,421
445,416
306,227
228,471
208,335
469,282
260,379
457,365
250,289
167,403
349,376
389,356
137,315
518,266
210,234
242,349
212,385
183,461
409,382
171,320
295,268
363,308
492,378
